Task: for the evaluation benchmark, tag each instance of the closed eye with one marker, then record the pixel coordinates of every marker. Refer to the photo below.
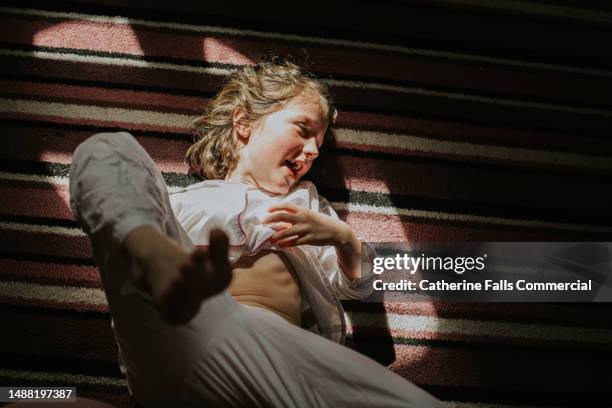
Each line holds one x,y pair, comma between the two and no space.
302,128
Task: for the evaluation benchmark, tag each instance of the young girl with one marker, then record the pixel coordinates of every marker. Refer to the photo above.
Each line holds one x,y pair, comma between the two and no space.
211,288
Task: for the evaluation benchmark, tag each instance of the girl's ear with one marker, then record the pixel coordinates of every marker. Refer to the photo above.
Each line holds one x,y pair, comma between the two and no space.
241,126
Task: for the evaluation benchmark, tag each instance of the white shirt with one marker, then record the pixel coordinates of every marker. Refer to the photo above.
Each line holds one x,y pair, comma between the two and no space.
239,210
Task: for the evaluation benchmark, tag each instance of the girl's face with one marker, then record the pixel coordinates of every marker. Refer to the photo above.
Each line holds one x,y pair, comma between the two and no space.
279,148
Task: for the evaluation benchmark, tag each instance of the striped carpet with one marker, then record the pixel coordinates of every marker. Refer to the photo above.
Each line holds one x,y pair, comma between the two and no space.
495,128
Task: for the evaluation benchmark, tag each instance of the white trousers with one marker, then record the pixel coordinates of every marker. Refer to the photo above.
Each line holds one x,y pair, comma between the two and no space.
229,354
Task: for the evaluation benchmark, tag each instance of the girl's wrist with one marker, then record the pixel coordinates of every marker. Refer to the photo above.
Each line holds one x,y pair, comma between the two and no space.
347,245
344,236
348,250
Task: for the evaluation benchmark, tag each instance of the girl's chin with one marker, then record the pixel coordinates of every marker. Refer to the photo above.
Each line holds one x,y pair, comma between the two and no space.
280,187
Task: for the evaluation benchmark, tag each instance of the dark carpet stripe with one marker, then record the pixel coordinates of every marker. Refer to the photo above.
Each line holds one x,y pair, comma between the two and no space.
62,364
510,370
33,335
569,397
45,244
72,314
30,257
62,128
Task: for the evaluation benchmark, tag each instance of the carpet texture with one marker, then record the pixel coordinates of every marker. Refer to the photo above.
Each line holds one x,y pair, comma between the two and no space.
460,121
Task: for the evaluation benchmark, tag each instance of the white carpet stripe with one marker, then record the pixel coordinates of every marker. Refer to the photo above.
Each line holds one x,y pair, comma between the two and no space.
62,181
343,135
53,180
307,39
466,327
423,144
438,215
35,178
124,62
52,293
23,375
64,56
74,111
42,229
407,323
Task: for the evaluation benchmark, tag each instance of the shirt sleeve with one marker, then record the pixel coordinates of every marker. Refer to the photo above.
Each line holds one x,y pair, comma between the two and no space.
342,286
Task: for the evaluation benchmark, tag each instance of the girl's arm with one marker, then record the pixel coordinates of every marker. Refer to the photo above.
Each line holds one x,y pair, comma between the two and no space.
348,250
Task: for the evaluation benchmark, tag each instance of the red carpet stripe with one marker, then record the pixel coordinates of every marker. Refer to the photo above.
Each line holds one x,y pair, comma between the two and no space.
104,97
49,273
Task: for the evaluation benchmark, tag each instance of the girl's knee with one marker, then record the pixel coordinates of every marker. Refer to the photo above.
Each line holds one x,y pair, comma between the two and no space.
103,144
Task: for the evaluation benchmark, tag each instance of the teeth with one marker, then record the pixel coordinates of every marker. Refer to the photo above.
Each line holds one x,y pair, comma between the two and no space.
293,165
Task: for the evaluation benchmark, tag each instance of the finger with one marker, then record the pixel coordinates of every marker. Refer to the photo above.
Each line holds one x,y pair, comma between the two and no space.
221,270
287,242
218,249
278,226
280,216
304,240
288,232
296,240
290,207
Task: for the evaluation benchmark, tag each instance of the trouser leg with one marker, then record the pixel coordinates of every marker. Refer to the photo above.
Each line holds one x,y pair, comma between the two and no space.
261,360
114,188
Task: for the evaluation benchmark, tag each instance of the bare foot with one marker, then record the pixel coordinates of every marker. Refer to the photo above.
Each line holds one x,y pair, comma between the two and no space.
177,280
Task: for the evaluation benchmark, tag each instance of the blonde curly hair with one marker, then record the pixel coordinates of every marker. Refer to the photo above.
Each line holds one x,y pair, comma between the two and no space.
257,90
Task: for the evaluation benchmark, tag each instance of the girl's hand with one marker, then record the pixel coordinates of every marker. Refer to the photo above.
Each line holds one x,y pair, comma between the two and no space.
301,226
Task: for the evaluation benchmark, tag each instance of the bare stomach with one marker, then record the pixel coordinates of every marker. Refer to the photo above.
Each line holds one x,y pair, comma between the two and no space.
267,280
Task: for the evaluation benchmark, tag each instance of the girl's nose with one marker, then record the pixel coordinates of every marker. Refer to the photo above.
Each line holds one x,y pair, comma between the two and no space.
311,149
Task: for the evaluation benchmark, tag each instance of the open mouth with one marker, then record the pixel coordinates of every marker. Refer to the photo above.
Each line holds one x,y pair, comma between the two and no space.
294,166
